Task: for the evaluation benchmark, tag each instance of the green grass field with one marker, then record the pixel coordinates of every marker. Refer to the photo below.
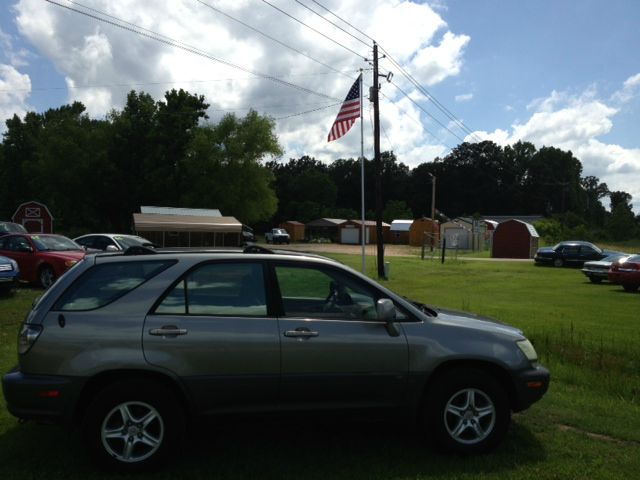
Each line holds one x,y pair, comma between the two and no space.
587,426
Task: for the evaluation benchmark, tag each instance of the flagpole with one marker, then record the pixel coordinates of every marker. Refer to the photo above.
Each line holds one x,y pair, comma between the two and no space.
363,228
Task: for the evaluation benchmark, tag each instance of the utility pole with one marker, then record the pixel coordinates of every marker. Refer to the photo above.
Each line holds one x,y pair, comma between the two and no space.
377,161
433,207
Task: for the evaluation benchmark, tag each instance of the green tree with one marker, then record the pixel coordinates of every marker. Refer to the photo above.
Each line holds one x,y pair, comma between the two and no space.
396,209
223,169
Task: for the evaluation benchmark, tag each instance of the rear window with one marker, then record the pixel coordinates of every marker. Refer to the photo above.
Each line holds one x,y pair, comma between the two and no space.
105,283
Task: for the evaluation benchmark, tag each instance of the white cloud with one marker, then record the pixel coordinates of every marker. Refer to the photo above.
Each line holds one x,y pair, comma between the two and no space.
575,123
465,97
630,89
15,88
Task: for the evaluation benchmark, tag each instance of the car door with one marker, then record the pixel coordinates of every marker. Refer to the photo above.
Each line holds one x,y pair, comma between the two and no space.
214,330
335,353
588,253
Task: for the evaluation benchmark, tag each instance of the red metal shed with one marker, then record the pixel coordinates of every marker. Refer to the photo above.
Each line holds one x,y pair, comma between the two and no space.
514,239
34,216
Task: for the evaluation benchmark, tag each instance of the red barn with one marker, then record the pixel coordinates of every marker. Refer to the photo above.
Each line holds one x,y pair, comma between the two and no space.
35,217
514,239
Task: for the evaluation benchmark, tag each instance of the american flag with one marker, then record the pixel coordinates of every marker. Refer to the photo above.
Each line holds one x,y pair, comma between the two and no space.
349,112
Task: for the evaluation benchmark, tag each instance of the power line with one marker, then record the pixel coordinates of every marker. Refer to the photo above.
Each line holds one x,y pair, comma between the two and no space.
429,114
335,25
308,111
145,83
430,97
174,43
343,20
420,123
311,28
271,38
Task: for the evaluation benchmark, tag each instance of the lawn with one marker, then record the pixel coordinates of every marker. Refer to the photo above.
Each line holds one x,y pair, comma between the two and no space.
587,426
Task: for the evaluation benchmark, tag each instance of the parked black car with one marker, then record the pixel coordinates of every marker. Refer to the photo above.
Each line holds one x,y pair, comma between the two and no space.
570,253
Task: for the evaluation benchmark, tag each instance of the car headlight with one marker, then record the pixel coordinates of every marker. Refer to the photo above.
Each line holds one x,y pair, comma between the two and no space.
14,263
526,347
70,263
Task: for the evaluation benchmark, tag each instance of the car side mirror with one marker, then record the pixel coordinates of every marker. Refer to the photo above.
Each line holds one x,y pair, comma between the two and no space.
111,248
387,313
25,249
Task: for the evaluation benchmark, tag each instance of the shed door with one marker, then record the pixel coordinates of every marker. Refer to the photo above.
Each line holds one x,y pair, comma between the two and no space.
350,235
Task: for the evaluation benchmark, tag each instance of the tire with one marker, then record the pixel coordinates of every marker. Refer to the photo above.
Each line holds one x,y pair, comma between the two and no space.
133,426
46,276
557,262
595,279
466,411
630,287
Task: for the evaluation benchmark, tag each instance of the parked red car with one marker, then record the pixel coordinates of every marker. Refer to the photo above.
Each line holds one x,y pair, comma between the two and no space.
41,257
626,272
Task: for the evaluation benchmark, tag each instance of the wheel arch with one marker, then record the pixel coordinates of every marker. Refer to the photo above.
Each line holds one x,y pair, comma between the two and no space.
103,379
493,369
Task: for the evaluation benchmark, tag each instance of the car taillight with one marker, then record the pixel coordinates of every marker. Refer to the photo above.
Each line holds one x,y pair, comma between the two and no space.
28,335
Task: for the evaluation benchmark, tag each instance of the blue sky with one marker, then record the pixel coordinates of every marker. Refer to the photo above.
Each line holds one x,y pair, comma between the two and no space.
561,73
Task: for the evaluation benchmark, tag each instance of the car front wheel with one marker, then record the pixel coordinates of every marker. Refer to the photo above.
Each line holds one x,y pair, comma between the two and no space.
630,287
558,262
46,276
467,411
133,426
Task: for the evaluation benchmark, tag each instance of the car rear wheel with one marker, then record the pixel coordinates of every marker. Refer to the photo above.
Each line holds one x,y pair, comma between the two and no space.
133,426
630,287
466,411
558,262
595,279
46,276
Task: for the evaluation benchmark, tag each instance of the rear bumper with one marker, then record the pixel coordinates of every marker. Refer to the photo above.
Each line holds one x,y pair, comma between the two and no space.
41,397
530,386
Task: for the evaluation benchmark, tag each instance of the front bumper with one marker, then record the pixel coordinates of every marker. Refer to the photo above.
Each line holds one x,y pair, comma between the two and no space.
41,397
530,386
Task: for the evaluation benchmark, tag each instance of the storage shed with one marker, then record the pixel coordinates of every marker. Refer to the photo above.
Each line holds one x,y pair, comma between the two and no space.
465,233
34,216
294,229
399,232
325,228
422,230
514,239
350,231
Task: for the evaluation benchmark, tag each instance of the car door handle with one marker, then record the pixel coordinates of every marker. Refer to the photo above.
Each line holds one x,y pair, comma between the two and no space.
301,333
168,331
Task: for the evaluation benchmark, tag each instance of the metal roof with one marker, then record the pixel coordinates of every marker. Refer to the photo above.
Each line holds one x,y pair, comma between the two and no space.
401,225
326,222
147,222
194,212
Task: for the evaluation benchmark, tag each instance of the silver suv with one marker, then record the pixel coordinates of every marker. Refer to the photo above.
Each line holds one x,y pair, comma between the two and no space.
132,348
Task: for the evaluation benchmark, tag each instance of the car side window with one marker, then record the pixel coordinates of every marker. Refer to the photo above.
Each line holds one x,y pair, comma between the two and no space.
312,292
571,250
219,289
107,282
85,242
18,244
101,243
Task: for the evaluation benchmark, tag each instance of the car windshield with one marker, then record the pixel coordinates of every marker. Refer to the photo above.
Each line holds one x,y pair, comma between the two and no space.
54,243
130,241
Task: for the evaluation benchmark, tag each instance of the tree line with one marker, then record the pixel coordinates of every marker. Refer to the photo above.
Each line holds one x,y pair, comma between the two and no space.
93,174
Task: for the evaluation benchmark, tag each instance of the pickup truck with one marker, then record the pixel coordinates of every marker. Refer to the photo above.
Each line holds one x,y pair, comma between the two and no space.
277,235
